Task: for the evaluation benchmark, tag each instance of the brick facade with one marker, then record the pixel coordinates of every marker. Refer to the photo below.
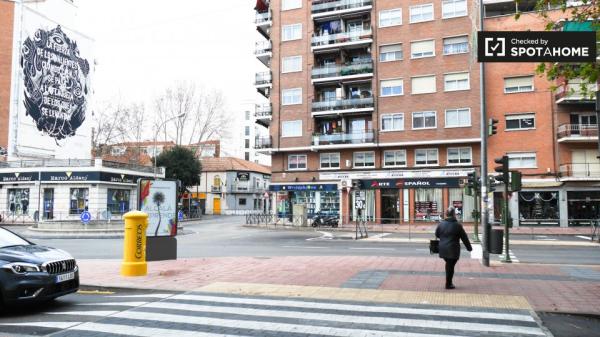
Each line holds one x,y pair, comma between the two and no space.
6,49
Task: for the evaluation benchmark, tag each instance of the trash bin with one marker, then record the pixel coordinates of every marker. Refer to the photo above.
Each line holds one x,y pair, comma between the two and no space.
496,241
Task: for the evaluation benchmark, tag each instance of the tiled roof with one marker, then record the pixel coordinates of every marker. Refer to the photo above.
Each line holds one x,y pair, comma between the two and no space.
232,164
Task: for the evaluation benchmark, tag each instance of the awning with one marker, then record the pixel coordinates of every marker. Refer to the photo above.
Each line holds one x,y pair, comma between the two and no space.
541,184
261,5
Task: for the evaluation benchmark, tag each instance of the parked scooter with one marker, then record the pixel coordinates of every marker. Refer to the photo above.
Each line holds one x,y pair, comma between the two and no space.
321,219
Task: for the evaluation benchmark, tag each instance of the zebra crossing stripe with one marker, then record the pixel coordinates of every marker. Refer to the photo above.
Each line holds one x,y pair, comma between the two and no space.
354,307
54,325
143,296
116,304
141,331
83,313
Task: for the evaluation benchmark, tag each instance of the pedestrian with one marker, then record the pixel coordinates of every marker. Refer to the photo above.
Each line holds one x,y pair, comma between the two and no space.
449,231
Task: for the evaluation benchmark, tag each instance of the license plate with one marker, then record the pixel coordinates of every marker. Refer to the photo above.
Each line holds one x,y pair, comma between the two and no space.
65,277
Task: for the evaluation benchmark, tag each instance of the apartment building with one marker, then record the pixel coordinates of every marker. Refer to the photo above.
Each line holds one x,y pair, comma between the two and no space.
550,136
382,95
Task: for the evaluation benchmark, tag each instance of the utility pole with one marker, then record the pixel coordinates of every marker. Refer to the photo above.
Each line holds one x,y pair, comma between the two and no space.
484,169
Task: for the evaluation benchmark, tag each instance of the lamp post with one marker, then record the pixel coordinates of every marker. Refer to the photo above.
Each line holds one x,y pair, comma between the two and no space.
156,136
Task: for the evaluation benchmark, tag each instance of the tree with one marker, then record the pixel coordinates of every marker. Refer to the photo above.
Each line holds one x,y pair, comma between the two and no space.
181,164
108,127
588,12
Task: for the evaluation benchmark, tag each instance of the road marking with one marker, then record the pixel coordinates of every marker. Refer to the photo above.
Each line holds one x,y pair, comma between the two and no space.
83,313
379,236
140,331
324,236
372,248
144,295
477,252
118,304
305,247
55,325
584,237
95,292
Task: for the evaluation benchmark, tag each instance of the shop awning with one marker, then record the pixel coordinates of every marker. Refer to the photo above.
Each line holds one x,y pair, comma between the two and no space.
541,184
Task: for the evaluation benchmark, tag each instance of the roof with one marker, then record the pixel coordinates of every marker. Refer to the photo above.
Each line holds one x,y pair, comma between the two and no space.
232,164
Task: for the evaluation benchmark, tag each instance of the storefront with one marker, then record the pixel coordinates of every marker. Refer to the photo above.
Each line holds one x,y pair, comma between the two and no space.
324,198
583,207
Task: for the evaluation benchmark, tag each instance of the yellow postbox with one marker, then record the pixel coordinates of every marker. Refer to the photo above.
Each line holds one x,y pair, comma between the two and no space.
134,244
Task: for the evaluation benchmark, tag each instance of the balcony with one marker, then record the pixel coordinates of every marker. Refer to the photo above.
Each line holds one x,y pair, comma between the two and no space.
263,142
327,8
349,71
580,171
263,114
577,133
263,51
263,83
264,21
342,106
328,42
572,93
359,138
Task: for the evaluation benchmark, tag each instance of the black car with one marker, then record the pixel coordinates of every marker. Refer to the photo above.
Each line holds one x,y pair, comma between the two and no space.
30,273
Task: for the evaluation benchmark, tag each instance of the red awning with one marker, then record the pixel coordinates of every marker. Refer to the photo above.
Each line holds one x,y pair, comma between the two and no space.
261,5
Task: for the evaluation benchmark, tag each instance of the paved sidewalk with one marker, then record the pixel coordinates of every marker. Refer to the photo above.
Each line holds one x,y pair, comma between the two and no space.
573,289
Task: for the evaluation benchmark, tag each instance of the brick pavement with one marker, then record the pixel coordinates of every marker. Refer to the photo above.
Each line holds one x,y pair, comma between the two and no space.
546,287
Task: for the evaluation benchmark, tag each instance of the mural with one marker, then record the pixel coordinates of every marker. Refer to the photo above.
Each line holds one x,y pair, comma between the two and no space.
56,83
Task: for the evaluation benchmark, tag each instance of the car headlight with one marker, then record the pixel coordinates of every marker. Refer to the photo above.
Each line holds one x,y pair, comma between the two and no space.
21,267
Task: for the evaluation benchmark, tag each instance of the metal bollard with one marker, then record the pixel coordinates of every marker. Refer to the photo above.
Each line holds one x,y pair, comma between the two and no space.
134,244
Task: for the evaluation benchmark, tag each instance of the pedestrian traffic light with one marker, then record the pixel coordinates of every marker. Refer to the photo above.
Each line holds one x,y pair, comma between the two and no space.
472,180
492,127
515,181
502,169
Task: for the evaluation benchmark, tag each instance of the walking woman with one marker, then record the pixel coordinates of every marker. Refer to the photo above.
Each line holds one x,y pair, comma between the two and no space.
450,232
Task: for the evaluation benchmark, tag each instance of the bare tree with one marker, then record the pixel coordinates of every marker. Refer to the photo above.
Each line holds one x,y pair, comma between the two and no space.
108,125
135,124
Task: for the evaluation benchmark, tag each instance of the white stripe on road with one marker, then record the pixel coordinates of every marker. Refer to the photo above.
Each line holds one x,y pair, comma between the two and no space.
117,304
324,236
354,307
324,331
83,313
379,236
140,331
143,295
55,325
306,247
368,248
584,237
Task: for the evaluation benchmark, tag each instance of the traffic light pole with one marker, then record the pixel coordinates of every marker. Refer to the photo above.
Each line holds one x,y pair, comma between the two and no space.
506,258
484,169
477,218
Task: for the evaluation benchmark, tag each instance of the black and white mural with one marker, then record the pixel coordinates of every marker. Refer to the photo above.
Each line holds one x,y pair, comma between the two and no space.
56,83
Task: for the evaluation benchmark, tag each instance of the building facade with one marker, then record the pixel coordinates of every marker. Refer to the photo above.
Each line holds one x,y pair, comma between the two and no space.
382,95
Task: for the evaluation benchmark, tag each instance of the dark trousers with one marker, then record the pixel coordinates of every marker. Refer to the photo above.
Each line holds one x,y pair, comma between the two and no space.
450,263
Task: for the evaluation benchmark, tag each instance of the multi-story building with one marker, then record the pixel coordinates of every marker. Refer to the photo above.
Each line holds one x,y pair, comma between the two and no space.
549,135
379,94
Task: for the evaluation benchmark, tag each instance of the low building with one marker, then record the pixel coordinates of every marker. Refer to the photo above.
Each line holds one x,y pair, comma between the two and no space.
232,186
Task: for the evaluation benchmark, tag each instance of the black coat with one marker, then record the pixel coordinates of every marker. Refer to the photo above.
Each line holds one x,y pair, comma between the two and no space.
450,232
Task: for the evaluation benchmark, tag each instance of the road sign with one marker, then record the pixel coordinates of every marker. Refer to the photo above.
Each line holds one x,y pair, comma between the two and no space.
180,215
85,217
359,204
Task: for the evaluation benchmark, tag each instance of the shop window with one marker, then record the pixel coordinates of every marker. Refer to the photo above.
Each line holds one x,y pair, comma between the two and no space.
394,158
329,203
459,156
520,122
18,200
368,213
364,159
456,45
330,160
424,157
522,160
79,200
583,206
463,204
518,84
424,120
428,204
392,52
421,13
390,17
297,162
117,201
392,122
456,81
539,205
456,118
454,8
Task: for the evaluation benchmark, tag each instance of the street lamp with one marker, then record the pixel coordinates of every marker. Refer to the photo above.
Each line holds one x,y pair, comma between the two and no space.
156,136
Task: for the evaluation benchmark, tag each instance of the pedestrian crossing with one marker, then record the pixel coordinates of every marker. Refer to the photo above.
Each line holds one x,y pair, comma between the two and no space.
213,314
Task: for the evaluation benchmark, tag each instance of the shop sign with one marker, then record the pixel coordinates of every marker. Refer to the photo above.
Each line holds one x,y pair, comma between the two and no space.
243,176
70,176
118,178
411,183
17,177
393,174
305,187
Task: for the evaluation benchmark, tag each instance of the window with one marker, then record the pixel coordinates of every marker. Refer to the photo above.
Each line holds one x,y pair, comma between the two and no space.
421,13
291,96
454,8
291,128
394,158
242,201
291,64
392,87
390,17
247,155
456,118
424,120
456,45
423,84
297,162
420,49
291,32
456,81
79,200
246,143
117,151
247,130
522,160
459,155
364,159
520,122
290,4
18,200
330,160
518,84
117,201
426,157
390,53
392,122
247,115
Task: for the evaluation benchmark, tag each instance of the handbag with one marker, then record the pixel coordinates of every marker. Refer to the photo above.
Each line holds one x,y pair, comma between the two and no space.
434,246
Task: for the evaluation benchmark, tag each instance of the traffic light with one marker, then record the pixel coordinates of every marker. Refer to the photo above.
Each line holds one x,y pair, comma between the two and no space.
492,127
502,169
491,184
472,180
515,181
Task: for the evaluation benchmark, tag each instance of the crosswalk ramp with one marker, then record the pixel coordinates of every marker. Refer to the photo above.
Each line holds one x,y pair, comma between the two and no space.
210,314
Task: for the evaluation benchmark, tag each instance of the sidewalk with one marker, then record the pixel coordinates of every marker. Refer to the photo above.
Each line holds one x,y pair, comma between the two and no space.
572,289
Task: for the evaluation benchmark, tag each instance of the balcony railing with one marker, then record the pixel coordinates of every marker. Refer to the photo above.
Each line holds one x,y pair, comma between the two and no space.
262,18
580,170
324,40
343,104
263,47
577,130
263,78
573,93
332,6
263,143
354,68
263,111
357,137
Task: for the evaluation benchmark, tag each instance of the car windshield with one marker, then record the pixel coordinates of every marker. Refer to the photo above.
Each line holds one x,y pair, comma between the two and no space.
8,238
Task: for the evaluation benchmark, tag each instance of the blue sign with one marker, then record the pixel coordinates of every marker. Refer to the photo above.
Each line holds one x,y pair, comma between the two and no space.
85,217
304,187
180,215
